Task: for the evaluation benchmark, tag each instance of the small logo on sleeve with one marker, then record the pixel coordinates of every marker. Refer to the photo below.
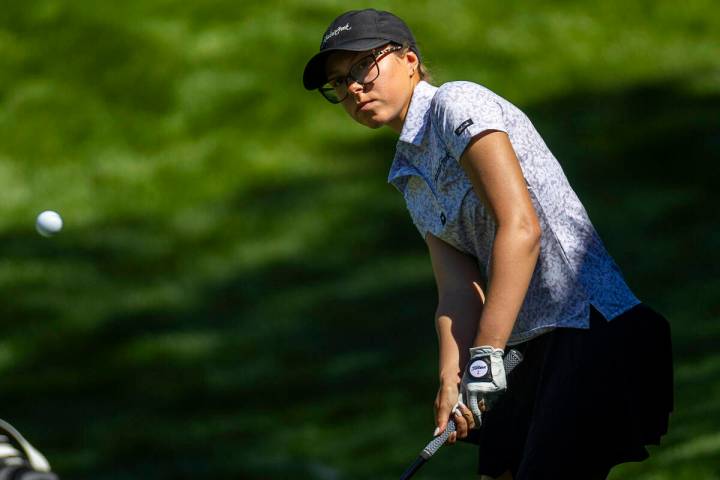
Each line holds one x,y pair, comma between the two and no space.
463,126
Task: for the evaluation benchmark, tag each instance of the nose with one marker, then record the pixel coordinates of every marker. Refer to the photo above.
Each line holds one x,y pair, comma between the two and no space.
355,87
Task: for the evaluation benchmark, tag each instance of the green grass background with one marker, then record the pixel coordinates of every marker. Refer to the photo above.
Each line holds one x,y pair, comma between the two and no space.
238,293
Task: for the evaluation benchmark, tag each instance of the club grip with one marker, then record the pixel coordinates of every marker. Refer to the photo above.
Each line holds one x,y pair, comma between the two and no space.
511,360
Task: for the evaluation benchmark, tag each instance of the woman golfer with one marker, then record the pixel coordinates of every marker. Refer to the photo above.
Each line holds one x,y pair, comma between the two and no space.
517,263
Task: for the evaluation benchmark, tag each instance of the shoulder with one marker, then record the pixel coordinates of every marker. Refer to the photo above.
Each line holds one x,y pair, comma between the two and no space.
461,110
461,100
448,94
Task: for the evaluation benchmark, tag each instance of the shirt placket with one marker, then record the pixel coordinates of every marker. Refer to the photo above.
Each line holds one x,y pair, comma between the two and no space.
435,199
430,195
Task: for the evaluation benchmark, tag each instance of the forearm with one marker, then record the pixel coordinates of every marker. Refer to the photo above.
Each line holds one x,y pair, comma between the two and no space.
456,321
514,255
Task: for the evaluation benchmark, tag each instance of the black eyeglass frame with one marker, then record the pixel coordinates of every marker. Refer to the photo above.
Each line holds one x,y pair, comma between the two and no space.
349,79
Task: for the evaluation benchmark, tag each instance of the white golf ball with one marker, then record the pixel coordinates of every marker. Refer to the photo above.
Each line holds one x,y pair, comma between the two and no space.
48,223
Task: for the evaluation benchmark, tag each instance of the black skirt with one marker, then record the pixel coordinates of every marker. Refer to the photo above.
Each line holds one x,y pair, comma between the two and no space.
582,401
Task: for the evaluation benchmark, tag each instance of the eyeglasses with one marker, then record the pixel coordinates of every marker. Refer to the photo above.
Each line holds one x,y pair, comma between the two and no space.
364,71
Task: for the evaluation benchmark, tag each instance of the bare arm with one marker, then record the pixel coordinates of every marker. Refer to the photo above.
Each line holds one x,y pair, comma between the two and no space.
461,319
456,318
497,179
459,306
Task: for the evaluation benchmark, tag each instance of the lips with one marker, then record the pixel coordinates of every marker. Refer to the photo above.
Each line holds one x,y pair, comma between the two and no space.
361,106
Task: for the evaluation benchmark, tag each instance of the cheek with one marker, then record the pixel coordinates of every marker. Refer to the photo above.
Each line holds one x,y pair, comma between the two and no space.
389,95
348,108
393,93
369,119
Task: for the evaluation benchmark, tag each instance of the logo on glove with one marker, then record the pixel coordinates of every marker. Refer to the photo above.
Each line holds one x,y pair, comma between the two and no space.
479,368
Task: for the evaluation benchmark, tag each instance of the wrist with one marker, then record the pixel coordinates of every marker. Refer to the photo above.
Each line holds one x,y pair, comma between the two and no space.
450,378
485,350
484,341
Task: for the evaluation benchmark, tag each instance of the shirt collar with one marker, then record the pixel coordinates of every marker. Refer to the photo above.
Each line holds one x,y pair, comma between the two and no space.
416,118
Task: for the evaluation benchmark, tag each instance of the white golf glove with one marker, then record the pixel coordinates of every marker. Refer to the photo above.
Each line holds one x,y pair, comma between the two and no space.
483,381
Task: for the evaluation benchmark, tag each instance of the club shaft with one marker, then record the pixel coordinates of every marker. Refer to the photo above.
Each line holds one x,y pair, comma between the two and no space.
419,462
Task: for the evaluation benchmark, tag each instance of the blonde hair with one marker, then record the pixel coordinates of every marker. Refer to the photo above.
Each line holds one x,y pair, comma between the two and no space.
423,70
425,73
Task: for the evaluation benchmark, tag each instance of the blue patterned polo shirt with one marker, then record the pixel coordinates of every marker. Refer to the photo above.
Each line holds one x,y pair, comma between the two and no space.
573,270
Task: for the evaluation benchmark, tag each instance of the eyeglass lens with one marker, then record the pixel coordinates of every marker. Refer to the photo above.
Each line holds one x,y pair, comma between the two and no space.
364,71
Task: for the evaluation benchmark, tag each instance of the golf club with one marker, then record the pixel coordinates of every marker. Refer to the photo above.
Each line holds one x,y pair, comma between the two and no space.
511,360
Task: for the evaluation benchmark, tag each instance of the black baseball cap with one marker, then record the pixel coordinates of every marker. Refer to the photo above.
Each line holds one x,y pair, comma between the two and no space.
356,31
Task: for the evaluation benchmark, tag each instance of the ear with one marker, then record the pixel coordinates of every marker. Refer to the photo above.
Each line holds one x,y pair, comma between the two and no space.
412,62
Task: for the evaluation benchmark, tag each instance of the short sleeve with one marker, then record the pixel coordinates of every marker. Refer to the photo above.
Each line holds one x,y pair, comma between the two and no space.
462,110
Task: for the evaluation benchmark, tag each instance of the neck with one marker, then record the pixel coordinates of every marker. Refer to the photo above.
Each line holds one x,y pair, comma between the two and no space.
399,121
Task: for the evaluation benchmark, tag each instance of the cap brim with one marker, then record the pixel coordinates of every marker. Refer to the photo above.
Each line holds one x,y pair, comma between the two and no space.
314,76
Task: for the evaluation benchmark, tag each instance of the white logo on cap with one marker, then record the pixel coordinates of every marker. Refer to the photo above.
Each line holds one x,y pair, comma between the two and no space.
336,32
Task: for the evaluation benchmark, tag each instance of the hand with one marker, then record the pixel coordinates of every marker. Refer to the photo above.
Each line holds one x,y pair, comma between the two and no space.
447,405
484,380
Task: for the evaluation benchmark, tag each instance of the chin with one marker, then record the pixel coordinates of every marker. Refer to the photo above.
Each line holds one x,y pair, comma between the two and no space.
373,125
373,122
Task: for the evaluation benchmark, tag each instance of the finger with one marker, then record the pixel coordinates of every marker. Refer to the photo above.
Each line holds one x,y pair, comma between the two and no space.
441,421
452,438
472,400
463,427
479,291
468,416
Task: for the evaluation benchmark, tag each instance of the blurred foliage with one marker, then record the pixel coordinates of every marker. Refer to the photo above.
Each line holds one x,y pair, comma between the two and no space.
239,294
